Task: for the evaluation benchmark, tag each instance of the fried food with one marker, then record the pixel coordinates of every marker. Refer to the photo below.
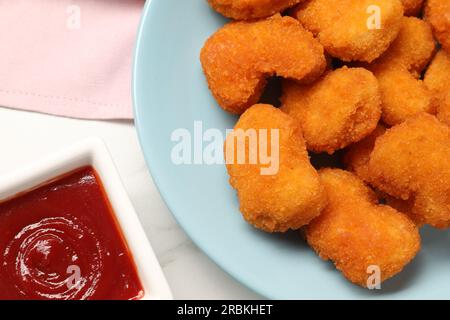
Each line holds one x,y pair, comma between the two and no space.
437,12
411,161
238,58
412,7
403,206
437,77
344,29
413,49
444,110
290,197
356,160
403,95
356,233
339,109
251,9
398,70
357,157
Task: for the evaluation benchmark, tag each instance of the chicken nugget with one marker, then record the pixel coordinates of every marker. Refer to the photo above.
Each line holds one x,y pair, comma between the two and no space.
339,109
238,58
403,93
358,234
287,198
437,12
413,49
251,9
346,29
412,7
437,77
411,161
356,158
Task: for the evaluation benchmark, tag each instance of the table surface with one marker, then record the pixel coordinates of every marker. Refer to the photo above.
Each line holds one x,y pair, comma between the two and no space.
26,136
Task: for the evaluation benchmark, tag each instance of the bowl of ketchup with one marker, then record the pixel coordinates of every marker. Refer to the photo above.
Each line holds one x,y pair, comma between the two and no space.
69,232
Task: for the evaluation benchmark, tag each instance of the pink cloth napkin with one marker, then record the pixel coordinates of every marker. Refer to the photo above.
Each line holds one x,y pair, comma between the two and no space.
68,57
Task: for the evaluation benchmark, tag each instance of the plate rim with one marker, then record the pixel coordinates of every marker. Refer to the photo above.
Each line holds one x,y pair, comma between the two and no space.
145,17
151,159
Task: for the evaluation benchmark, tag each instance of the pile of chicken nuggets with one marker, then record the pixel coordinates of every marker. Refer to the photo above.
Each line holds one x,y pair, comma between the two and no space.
364,82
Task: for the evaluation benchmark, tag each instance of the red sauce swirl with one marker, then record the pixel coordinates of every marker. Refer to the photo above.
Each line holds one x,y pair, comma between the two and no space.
61,241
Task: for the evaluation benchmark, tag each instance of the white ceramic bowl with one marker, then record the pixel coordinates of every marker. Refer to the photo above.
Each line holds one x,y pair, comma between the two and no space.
93,152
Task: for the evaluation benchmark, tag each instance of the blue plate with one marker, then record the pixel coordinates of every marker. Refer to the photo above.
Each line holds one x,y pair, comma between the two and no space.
170,93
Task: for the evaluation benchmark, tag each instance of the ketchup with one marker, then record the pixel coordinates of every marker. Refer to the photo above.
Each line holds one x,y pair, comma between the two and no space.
61,241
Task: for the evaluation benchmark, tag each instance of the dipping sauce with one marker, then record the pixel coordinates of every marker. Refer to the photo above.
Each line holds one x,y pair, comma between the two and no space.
61,241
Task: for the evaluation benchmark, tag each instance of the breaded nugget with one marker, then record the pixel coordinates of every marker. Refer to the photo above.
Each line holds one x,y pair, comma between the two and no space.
437,77
412,7
411,161
344,29
444,110
250,9
402,95
356,160
339,109
290,197
238,58
357,157
414,47
356,233
398,70
438,13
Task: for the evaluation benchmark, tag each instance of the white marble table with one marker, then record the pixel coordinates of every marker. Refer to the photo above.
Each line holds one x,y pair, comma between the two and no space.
26,136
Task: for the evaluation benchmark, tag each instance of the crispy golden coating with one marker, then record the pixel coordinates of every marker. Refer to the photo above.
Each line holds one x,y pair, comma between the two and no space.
238,58
341,108
356,233
357,157
403,206
438,13
356,160
413,48
411,161
398,70
412,7
343,26
444,110
437,77
402,95
293,196
251,9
